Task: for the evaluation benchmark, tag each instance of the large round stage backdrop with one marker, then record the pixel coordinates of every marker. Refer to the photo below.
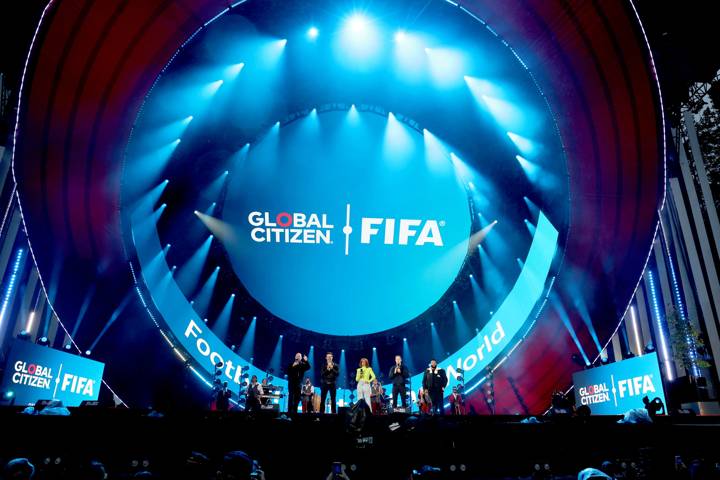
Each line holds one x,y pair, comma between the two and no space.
475,183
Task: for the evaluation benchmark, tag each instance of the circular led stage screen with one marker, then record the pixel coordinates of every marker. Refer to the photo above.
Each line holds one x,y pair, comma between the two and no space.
305,177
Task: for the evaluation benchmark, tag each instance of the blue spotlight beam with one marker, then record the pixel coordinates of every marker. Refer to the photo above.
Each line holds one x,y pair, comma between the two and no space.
375,363
408,356
83,309
189,274
562,313
462,330
247,345
311,360
204,296
221,326
113,317
275,365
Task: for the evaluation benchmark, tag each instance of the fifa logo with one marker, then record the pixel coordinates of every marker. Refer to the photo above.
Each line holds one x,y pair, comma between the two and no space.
78,385
418,231
635,386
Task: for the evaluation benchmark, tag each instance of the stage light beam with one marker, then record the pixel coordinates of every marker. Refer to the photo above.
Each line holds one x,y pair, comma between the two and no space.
313,33
233,71
113,317
204,296
359,45
462,330
189,273
438,350
221,327
527,147
446,66
276,358
247,345
398,145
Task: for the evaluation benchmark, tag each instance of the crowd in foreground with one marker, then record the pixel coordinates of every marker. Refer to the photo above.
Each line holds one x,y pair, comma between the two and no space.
238,465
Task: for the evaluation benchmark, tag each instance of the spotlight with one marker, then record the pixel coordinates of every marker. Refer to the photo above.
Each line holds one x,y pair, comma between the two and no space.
649,348
313,33
42,341
357,23
67,347
88,353
400,36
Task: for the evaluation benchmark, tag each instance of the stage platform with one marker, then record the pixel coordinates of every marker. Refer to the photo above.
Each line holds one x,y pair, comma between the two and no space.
306,446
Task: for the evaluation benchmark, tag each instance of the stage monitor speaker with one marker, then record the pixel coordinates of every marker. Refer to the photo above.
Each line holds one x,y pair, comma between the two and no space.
40,404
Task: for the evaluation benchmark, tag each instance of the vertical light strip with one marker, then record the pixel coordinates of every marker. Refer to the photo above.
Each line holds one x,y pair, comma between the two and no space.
636,330
680,304
661,333
10,288
31,319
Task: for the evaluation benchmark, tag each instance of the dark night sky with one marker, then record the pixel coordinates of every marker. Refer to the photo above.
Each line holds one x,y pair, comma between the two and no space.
683,36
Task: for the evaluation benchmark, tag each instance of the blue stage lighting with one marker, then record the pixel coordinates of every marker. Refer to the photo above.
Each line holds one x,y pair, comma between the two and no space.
211,88
313,33
400,36
10,287
398,145
526,146
531,170
446,66
359,42
233,70
357,23
660,323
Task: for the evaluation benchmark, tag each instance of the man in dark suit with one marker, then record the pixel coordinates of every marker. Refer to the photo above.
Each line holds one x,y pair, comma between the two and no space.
328,383
434,381
295,373
399,375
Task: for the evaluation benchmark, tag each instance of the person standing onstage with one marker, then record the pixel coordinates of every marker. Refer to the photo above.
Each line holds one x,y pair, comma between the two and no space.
254,391
328,380
364,377
457,403
399,375
434,382
295,373
308,391
423,401
222,399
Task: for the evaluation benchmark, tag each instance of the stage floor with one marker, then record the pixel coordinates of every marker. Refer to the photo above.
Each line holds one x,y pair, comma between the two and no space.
488,447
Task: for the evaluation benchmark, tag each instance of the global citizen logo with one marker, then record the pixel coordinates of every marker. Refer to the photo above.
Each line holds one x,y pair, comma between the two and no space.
315,228
32,375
